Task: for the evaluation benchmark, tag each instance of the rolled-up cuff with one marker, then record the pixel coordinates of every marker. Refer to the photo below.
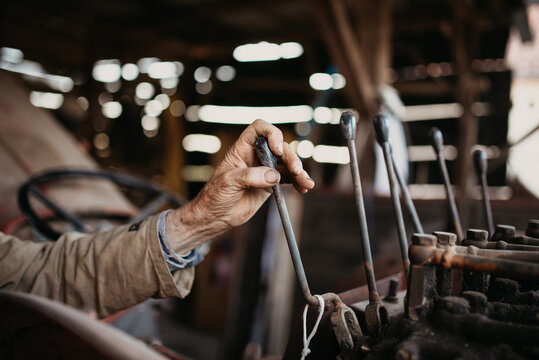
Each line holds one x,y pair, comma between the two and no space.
178,284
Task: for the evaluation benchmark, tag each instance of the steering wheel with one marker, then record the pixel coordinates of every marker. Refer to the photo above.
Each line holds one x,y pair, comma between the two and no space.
159,196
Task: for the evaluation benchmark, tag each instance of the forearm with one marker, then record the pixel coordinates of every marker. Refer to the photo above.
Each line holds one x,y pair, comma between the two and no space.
105,272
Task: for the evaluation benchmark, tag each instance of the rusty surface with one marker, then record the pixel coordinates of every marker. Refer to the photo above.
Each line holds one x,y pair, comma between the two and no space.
444,277
497,321
520,255
501,245
421,288
450,259
347,331
453,314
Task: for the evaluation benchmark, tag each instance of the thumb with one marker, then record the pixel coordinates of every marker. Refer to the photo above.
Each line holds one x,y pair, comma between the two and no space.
260,177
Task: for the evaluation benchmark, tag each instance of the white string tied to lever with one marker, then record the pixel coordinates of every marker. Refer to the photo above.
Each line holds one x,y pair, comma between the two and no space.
307,339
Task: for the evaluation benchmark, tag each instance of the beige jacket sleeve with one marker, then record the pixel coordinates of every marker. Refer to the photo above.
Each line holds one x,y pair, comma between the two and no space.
106,272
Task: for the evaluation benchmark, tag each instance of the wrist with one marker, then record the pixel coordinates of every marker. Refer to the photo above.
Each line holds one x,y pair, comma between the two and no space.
190,226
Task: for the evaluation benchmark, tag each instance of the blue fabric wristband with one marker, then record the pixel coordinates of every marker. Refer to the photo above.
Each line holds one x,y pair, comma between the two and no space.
175,261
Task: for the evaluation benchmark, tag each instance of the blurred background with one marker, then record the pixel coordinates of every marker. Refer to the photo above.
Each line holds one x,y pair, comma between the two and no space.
160,90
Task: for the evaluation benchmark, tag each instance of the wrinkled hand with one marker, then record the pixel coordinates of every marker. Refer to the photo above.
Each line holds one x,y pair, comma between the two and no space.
236,190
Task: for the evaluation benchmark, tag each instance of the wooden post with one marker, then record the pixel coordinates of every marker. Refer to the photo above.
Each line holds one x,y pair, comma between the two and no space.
173,153
468,125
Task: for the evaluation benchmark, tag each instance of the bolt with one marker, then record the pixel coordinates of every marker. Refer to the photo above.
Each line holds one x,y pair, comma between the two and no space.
533,228
477,235
505,229
445,238
424,240
392,292
503,232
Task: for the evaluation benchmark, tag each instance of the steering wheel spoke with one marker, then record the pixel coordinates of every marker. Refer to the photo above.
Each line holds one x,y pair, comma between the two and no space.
77,223
160,197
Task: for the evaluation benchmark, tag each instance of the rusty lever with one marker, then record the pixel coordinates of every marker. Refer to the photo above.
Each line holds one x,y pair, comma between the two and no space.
267,158
418,228
480,164
375,312
381,130
438,145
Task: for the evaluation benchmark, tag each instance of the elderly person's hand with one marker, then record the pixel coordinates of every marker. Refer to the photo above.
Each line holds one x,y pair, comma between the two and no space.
236,190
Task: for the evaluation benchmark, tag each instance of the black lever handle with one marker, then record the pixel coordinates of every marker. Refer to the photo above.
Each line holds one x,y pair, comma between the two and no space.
266,157
381,128
348,125
437,139
480,162
264,153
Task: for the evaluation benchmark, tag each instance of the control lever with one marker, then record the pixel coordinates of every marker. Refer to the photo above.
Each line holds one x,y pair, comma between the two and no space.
266,158
418,228
381,130
480,164
343,319
375,313
438,145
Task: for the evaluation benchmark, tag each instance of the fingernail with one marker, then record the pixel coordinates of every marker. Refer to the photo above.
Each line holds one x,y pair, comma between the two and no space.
280,148
311,180
298,169
272,176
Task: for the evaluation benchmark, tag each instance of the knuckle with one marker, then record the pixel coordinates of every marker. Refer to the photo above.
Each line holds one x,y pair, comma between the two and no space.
227,177
258,122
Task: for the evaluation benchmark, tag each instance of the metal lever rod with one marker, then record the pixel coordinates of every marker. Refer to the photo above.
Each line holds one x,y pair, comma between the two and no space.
438,145
381,130
449,258
480,162
418,228
267,158
375,313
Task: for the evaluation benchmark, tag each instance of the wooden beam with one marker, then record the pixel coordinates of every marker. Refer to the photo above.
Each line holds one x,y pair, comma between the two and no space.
374,29
364,70
335,46
424,88
355,56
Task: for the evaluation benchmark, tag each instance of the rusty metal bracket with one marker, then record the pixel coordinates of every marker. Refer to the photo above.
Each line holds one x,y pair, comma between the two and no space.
347,331
421,281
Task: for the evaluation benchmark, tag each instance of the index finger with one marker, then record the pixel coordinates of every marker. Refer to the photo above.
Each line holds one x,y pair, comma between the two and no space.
261,127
